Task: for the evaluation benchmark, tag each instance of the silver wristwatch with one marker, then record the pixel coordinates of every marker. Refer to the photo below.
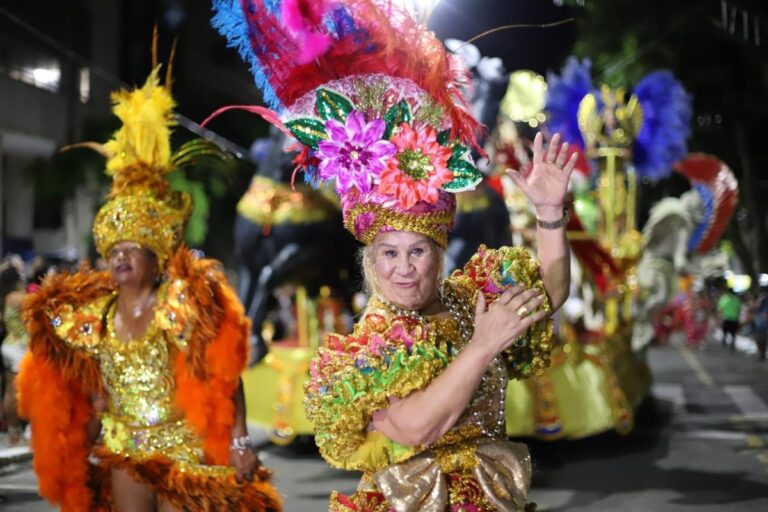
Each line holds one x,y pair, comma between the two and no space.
555,224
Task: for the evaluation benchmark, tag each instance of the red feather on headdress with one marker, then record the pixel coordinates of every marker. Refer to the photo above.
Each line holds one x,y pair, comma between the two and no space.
295,46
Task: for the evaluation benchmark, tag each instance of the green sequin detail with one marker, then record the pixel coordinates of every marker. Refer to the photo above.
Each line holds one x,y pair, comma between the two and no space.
465,175
395,116
308,131
332,105
415,164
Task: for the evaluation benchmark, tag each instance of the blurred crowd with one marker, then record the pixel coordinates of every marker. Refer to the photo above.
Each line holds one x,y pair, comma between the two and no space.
717,311
18,278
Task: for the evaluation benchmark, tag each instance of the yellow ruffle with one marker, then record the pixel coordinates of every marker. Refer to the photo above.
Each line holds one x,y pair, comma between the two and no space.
589,390
342,396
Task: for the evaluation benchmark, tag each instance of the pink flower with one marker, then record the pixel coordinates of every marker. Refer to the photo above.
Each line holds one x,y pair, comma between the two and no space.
376,343
419,169
354,154
398,332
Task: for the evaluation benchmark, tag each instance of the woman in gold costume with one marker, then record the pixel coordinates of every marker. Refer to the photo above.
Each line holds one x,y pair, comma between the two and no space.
414,397
132,382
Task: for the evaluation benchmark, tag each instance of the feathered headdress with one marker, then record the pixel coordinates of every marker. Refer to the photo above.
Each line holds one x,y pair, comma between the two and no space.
652,123
374,99
141,207
718,189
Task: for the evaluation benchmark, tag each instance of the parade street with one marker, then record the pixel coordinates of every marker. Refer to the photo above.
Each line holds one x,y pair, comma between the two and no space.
700,444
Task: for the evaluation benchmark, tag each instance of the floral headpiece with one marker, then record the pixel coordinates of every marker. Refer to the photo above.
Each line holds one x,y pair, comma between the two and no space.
374,100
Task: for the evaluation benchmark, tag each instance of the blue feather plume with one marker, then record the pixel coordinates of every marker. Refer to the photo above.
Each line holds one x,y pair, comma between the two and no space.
229,19
702,228
666,124
312,176
564,93
273,7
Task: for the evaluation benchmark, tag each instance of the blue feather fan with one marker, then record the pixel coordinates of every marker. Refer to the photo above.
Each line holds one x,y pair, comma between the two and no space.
564,93
666,125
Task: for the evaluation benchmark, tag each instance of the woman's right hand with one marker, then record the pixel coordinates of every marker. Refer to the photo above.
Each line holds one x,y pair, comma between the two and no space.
499,325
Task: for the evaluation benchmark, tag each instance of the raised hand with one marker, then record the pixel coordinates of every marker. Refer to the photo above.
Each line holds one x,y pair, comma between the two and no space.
547,183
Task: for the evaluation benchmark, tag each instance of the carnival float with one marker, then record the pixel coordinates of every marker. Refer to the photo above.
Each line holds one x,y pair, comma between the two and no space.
296,290
622,277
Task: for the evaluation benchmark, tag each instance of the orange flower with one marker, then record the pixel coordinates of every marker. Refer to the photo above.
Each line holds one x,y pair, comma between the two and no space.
419,168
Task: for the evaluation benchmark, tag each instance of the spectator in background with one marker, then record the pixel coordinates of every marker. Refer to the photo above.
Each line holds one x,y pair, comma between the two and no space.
39,268
14,346
761,322
729,309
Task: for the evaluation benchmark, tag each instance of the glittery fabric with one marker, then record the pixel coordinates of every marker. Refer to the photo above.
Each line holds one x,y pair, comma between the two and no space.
141,418
375,94
392,353
367,215
157,224
492,271
141,422
189,363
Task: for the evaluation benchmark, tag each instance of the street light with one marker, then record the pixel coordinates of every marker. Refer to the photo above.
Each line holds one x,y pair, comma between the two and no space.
423,8
426,5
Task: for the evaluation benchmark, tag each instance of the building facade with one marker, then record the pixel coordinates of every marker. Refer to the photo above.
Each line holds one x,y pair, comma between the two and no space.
57,63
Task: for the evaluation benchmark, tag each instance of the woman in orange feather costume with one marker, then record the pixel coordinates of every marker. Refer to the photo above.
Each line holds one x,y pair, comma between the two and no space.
132,382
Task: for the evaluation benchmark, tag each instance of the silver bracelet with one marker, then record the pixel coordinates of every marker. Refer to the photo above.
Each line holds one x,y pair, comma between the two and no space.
555,224
240,444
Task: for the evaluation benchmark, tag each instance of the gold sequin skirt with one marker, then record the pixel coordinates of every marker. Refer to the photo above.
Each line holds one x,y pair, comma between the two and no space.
169,459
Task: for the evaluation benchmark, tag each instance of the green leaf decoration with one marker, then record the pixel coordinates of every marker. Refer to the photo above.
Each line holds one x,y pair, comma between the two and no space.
465,176
399,113
307,130
459,151
332,105
443,138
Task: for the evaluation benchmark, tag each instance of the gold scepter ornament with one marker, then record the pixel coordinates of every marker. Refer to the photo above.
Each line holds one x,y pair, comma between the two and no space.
609,124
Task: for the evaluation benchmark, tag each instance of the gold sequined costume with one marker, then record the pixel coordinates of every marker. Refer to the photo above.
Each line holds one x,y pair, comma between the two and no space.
169,413
169,410
393,353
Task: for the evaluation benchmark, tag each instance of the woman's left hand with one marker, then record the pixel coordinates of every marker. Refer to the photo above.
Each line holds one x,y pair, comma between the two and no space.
245,463
547,183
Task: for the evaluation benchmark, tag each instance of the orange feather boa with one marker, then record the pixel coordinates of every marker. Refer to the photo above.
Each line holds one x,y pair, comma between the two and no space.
55,382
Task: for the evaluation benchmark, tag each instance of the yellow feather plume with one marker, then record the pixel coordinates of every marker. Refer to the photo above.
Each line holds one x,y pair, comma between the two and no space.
142,144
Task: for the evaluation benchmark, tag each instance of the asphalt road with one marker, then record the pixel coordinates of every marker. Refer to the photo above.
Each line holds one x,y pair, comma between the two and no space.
701,443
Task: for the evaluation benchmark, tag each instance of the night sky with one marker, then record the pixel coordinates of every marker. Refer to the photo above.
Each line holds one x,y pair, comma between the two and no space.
537,49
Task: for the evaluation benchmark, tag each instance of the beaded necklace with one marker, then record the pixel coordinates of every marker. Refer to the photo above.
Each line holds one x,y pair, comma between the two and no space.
462,313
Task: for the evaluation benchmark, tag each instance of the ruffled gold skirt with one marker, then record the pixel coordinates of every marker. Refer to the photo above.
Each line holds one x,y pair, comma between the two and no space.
480,475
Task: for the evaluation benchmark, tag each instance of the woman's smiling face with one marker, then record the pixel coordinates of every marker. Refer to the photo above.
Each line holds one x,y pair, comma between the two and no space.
407,266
